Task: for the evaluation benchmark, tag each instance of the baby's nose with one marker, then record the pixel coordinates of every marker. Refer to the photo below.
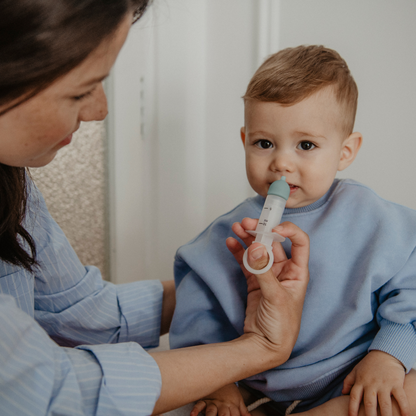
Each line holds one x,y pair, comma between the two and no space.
283,162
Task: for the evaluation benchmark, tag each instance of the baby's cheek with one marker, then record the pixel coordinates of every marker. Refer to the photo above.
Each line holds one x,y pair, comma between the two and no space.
321,186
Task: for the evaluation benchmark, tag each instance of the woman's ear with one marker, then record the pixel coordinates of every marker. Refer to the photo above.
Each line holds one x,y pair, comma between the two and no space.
243,135
349,150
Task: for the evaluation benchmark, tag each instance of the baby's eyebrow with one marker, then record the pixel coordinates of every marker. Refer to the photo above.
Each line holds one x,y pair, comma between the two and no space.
308,134
264,133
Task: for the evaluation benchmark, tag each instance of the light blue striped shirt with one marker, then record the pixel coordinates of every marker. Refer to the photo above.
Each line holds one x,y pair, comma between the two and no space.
65,303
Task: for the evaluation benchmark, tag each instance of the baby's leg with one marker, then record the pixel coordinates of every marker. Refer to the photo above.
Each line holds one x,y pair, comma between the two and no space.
339,405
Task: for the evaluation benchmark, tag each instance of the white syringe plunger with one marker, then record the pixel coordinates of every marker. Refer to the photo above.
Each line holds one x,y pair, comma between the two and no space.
270,217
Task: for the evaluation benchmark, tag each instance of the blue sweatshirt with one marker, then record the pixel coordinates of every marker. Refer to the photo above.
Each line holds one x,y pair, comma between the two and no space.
361,295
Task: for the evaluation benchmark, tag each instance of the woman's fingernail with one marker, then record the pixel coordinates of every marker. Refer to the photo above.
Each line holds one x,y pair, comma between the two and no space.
279,228
258,253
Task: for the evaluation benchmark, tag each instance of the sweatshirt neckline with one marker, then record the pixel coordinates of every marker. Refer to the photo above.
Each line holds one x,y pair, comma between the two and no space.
307,208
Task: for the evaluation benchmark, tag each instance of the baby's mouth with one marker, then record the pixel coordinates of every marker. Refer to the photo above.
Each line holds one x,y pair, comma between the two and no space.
293,188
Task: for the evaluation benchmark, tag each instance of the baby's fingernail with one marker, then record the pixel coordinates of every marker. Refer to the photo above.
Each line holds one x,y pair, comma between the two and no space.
258,253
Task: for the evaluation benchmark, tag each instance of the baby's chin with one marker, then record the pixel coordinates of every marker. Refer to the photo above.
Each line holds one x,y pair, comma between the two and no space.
300,203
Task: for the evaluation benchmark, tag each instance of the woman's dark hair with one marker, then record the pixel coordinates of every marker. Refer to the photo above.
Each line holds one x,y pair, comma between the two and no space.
40,41
13,193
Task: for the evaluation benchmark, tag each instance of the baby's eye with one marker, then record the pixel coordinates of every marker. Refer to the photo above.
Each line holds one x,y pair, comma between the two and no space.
306,145
264,144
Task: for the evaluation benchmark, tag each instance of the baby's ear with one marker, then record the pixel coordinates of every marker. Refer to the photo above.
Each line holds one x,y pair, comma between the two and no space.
349,150
243,135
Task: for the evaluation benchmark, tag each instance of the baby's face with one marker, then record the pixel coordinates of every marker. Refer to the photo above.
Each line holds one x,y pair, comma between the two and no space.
303,142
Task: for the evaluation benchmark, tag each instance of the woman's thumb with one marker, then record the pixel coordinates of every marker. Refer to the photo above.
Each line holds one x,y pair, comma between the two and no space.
257,256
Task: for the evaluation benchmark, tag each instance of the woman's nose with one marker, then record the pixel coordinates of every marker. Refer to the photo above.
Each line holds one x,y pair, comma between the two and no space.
96,109
283,162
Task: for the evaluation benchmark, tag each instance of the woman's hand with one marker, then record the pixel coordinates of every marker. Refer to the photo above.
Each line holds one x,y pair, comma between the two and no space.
274,309
275,298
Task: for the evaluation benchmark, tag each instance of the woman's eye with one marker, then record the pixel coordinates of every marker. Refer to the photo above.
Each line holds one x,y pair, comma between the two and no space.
306,145
264,144
85,95
82,96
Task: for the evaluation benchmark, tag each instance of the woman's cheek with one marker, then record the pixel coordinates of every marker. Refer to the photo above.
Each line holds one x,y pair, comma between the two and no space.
54,134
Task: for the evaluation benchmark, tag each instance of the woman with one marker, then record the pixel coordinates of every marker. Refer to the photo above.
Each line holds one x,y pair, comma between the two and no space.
54,55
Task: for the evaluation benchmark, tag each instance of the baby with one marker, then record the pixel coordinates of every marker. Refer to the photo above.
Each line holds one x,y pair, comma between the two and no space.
357,342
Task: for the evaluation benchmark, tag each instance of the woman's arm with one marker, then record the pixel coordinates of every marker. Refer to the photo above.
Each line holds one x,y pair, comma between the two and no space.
37,377
75,305
191,373
274,309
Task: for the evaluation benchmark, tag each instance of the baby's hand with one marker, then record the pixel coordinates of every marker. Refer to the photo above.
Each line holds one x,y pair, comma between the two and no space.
373,381
225,402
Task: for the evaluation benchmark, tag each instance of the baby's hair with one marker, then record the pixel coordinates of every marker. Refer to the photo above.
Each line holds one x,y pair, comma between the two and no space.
293,74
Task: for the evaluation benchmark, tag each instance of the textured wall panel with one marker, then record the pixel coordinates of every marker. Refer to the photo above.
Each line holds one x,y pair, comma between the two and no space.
74,187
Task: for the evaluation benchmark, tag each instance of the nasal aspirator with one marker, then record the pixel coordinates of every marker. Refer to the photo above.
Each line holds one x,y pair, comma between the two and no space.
270,217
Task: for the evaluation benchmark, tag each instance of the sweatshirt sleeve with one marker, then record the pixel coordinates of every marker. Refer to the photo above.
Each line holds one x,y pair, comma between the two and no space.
197,304
396,316
39,377
211,290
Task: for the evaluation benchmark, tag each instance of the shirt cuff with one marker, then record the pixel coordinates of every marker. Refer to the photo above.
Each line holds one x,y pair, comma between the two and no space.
141,307
398,340
129,380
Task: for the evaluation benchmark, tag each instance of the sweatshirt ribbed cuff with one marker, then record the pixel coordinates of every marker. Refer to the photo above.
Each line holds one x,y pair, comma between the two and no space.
398,340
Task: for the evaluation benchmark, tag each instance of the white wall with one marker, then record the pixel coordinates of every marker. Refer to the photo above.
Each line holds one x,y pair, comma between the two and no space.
185,167
377,38
177,161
